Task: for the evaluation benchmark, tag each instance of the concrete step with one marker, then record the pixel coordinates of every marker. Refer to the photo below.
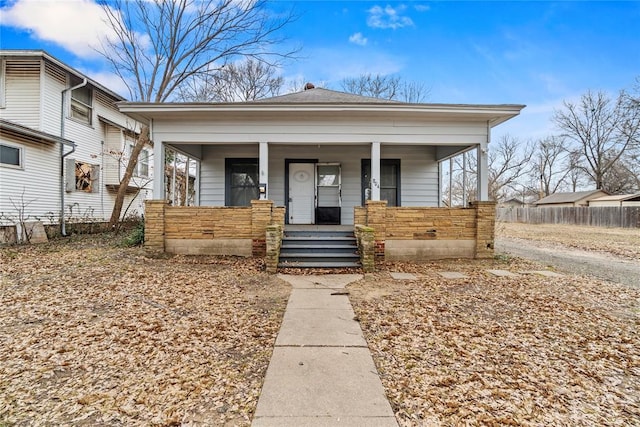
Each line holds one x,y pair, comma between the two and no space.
319,248
319,264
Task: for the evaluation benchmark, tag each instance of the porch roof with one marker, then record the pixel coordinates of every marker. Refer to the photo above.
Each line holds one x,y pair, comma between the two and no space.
321,103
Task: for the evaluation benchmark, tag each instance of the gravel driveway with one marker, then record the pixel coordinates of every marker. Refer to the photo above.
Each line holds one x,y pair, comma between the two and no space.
582,258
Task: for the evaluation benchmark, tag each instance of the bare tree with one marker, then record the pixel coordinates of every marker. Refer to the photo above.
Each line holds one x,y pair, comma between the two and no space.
385,87
244,80
508,162
550,166
602,129
159,44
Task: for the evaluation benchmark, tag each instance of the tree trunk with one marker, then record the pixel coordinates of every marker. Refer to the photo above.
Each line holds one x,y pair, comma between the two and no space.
128,173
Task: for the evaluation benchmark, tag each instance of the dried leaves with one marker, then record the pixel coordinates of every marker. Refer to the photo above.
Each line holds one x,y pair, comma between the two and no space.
100,336
503,351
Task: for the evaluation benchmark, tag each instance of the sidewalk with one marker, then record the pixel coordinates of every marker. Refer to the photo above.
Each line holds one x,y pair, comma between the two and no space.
321,372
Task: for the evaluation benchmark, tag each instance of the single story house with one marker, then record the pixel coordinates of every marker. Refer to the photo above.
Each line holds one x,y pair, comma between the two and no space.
578,198
617,200
320,157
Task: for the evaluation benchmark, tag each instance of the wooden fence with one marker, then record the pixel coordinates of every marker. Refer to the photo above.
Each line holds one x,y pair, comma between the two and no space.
628,217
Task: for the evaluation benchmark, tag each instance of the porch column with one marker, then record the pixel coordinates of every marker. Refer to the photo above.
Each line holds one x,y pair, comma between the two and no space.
375,171
483,172
263,173
158,171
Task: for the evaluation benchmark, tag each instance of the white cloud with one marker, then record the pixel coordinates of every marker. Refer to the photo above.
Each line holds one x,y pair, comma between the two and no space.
358,39
422,7
76,25
109,80
388,17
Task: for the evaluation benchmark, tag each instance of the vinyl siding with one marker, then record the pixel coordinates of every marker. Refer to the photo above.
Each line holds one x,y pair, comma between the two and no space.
112,148
419,171
312,130
55,81
22,92
33,98
35,187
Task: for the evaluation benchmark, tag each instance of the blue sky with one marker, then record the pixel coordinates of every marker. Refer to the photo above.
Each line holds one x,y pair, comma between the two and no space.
535,53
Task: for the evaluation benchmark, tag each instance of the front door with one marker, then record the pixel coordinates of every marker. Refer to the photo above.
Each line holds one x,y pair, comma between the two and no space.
302,193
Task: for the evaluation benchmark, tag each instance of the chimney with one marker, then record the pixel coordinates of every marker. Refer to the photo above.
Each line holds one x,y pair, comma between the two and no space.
309,86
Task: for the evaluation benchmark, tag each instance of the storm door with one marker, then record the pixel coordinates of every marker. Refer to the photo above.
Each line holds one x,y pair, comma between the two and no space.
328,193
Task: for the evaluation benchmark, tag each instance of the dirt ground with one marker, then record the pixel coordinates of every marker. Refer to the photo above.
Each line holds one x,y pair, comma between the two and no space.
528,350
94,334
611,254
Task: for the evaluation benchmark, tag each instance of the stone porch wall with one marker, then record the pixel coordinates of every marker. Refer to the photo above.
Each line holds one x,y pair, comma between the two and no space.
207,230
416,234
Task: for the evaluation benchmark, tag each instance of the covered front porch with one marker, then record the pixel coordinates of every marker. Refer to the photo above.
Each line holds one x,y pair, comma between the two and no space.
321,157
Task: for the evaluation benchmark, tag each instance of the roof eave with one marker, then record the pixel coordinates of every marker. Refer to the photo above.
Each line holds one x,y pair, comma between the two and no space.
48,57
496,114
16,129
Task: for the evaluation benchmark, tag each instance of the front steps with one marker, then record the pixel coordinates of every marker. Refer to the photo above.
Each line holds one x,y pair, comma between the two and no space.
319,247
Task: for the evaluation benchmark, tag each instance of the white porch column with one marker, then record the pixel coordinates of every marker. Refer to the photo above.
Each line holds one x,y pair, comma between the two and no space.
375,171
158,170
483,172
263,168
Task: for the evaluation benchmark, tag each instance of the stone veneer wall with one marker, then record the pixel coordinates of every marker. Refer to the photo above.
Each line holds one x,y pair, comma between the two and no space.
208,230
416,233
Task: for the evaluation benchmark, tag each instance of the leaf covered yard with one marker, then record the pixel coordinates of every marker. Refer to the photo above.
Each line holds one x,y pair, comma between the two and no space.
93,334
530,350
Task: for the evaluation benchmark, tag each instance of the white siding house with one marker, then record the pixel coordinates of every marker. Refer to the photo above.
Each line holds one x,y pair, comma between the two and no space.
62,143
319,153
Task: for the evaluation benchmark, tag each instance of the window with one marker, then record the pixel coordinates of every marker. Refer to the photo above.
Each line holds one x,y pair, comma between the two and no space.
142,167
82,176
389,181
81,104
143,164
10,155
241,181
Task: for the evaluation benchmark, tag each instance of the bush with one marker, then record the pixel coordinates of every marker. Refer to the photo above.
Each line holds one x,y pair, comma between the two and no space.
135,236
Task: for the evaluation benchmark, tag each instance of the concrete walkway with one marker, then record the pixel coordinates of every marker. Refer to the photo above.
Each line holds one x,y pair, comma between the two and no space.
321,372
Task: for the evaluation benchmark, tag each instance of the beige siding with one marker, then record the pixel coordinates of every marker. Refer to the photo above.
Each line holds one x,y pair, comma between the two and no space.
35,187
22,97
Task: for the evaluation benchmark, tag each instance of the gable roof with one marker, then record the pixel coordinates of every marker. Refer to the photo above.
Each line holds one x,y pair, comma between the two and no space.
324,96
567,197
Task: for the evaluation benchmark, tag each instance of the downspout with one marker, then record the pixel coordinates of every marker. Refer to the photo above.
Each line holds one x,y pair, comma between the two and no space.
63,230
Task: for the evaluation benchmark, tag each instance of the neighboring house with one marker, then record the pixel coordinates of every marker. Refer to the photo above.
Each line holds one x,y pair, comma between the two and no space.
53,117
512,203
320,155
617,200
560,200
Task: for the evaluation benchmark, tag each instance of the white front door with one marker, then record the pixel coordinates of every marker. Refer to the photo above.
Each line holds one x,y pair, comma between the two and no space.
302,181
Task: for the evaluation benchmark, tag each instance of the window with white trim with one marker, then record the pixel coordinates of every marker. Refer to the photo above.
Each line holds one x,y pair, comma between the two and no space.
81,104
142,166
11,156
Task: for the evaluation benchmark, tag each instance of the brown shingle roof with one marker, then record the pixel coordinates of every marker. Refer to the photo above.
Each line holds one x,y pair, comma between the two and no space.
566,197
